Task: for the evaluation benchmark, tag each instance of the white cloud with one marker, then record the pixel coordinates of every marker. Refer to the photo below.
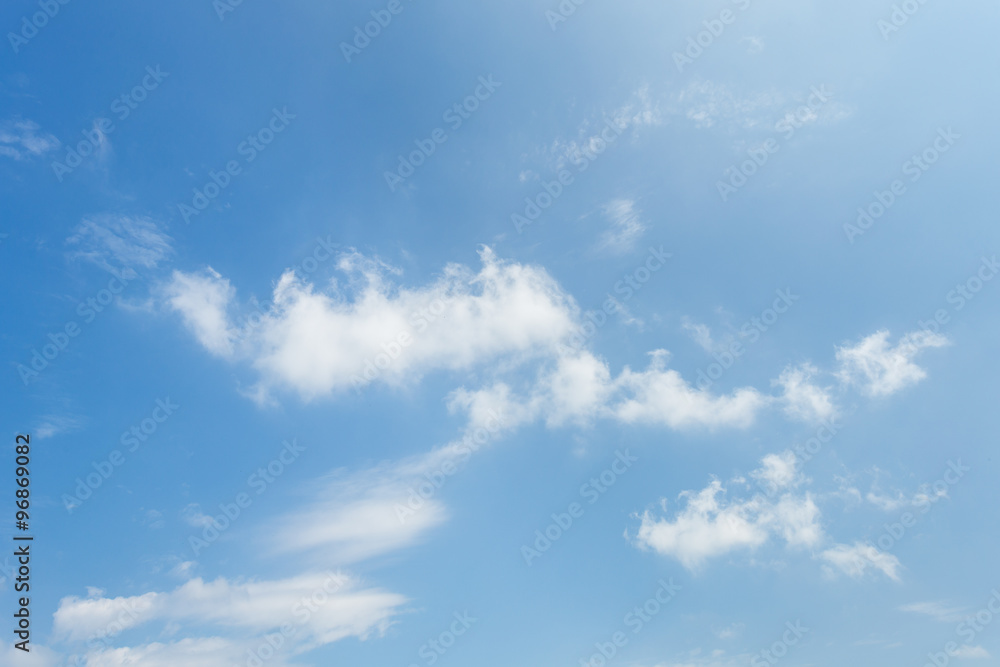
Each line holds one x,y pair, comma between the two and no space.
359,516
880,369
53,425
700,334
662,396
706,103
318,342
203,301
244,609
729,632
940,611
971,652
626,226
22,138
116,241
709,527
857,559
803,400
778,472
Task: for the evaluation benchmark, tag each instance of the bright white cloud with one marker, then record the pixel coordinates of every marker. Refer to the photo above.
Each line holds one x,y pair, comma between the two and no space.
971,652
803,400
881,369
710,526
856,560
203,301
318,342
778,472
661,396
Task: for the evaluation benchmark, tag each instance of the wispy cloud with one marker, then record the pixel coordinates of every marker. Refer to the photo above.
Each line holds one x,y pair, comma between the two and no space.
626,226
115,241
20,139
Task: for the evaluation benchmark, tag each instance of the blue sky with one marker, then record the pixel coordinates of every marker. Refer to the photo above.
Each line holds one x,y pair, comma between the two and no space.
524,333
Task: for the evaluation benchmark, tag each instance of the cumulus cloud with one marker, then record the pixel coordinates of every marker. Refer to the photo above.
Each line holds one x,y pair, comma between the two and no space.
881,369
661,396
803,400
858,559
709,525
317,342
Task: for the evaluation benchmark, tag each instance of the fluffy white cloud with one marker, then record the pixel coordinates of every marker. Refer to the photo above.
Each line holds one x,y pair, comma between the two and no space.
203,301
803,400
318,342
881,369
778,472
708,526
855,560
661,396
